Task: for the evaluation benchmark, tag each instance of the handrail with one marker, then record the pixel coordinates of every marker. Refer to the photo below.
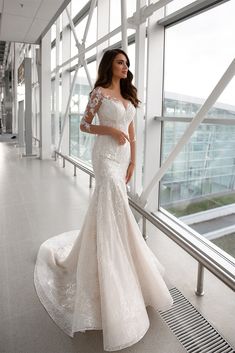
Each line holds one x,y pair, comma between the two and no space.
193,243
188,119
76,165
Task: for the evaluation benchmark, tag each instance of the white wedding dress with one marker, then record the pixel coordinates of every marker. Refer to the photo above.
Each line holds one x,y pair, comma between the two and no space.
103,276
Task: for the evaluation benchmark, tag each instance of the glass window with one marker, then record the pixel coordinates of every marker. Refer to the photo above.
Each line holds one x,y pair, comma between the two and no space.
76,6
80,28
53,58
130,8
115,18
60,53
80,142
131,55
197,53
199,187
53,32
74,49
92,32
115,14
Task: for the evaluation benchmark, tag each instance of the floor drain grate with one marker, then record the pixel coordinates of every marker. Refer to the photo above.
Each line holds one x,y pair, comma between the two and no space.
194,332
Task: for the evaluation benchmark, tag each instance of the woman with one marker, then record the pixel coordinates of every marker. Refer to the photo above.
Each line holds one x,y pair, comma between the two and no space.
104,277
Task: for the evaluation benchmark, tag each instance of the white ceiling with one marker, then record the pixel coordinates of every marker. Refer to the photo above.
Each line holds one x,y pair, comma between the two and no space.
27,20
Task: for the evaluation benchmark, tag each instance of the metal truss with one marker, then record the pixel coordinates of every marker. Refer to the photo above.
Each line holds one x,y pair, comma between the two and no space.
139,17
81,62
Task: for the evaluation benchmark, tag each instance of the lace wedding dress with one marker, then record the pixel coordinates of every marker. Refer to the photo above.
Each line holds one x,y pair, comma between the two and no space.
103,276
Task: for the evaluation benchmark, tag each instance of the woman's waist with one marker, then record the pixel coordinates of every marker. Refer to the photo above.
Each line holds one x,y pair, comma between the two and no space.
106,146
108,141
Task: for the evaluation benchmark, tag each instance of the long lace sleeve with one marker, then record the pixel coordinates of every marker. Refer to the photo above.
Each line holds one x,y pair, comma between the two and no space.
92,107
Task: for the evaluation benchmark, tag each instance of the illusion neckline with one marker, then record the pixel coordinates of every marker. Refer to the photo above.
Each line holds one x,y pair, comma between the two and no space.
117,100
109,97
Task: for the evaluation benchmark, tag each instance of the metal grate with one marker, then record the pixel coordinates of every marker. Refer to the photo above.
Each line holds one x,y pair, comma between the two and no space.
193,331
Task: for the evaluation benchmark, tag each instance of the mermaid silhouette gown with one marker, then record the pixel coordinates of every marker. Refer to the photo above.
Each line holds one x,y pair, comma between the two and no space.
103,276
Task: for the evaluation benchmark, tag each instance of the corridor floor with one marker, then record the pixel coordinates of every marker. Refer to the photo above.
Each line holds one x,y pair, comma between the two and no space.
39,199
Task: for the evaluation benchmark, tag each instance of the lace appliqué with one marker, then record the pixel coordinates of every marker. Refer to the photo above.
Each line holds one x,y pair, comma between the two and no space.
86,125
92,107
109,97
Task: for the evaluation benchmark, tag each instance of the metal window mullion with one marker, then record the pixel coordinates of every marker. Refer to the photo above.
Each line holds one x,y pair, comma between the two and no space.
124,25
155,58
15,85
140,35
57,84
65,78
182,119
87,73
32,89
45,94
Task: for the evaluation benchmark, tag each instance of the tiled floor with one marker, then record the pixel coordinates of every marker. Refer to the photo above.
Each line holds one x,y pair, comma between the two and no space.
39,199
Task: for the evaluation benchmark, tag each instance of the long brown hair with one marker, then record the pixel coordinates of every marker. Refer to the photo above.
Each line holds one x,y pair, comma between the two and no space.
105,73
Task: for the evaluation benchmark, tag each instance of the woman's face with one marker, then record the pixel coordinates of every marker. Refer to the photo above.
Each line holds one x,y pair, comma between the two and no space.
119,66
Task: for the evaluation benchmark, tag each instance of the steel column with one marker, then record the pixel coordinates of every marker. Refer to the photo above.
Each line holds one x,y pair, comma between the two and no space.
154,89
45,97
66,84
57,85
124,25
140,35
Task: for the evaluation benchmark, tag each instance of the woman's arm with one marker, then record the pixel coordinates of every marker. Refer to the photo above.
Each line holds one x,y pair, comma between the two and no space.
131,131
132,139
92,107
